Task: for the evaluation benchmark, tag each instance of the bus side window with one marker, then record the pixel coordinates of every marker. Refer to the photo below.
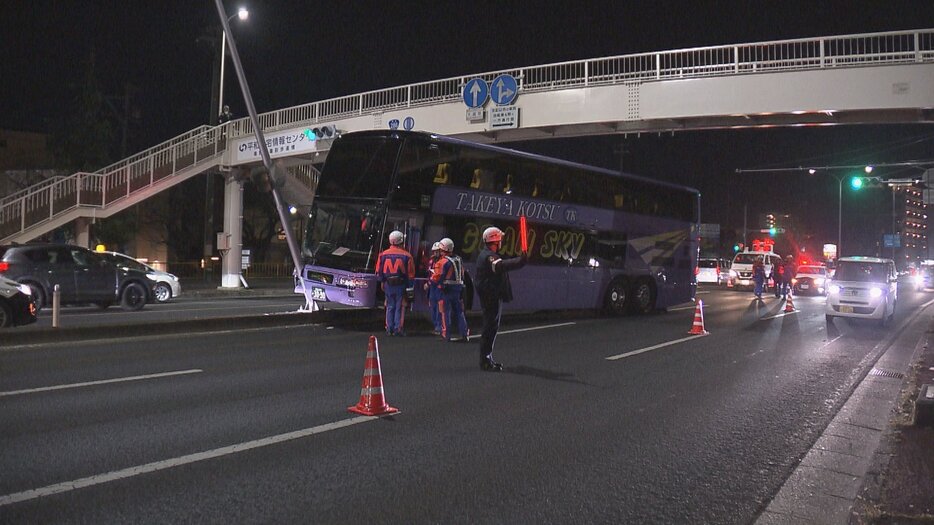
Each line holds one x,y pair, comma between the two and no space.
442,174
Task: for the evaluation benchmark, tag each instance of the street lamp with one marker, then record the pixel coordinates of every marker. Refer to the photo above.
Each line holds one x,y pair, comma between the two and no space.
242,14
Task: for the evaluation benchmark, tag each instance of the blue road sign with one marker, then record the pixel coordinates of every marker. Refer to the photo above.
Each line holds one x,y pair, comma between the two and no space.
505,88
394,124
475,93
408,123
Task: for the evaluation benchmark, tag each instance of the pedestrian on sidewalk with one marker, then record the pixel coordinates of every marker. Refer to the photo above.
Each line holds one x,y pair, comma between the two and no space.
494,289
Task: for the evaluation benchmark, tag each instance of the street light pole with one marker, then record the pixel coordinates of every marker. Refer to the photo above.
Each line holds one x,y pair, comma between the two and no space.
839,216
242,14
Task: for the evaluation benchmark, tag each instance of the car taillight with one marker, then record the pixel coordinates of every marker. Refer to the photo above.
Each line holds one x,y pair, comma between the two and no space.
696,270
4,266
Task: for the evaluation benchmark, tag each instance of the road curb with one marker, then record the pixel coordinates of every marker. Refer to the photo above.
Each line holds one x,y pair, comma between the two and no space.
349,317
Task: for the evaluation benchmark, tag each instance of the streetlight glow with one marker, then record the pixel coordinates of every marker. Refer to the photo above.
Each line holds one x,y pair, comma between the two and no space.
242,14
868,169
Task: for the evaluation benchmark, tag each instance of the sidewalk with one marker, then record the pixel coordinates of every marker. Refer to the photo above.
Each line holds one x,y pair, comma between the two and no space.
258,286
899,488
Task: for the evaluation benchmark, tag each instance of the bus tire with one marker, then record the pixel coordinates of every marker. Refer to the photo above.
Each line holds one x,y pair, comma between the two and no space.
617,297
642,297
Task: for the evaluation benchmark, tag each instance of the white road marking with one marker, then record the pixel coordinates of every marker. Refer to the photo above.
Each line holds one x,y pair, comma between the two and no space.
524,329
783,314
691,307
650,348
175,462
101,382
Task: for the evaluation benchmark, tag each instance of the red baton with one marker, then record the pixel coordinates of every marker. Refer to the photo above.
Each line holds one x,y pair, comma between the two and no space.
523,233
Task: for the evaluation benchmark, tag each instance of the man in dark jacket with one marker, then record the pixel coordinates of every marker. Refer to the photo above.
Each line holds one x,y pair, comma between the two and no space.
778,277
493,288
791,270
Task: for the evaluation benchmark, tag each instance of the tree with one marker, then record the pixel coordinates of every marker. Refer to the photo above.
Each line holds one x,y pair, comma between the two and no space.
83,138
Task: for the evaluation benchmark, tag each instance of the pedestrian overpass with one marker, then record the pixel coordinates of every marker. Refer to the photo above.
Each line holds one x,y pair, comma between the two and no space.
852,79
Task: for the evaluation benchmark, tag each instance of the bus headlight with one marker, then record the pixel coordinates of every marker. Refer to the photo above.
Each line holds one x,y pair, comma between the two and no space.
834,288
875,292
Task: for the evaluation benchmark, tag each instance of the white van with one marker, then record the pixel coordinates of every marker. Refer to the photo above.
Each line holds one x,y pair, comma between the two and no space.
741,269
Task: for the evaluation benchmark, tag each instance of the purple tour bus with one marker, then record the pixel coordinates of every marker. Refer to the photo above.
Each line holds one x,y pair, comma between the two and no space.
598,239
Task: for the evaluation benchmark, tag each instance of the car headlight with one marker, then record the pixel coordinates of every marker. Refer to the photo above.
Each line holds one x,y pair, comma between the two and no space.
733,273
875,292
918,279
819,281
834,288
24,288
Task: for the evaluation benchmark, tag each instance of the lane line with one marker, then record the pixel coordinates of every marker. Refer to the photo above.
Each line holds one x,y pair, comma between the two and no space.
776,316
656,347
517,330
101,382
692,307
68,486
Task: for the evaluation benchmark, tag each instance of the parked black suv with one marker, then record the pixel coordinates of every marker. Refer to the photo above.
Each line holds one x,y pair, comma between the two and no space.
83,276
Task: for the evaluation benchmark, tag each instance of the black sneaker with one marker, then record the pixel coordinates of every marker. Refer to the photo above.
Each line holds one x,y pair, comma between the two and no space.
491,366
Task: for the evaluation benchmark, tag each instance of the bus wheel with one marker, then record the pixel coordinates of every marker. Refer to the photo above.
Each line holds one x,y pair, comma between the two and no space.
643,297
617,297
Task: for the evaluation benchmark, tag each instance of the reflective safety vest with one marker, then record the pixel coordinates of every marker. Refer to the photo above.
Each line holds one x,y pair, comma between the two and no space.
455,273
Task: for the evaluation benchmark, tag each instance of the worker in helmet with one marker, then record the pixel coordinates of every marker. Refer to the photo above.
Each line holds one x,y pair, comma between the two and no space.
433,289
791,270
395,270
449,277
493,288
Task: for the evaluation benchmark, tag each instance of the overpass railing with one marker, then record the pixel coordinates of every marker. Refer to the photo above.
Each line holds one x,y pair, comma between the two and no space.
46,200
869,49
52,198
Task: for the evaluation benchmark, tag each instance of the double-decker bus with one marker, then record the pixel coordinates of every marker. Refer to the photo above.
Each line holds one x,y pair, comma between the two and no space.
596,238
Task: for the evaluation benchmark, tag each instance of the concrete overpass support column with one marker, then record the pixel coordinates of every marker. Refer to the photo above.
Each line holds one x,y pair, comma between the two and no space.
83,233
233,222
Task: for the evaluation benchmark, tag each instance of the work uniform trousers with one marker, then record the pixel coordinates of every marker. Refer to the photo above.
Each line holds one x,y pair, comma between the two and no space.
452,308
759,282
395,308
434,297
492,311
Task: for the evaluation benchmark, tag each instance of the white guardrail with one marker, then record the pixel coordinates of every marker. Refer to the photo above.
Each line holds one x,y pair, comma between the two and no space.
43,202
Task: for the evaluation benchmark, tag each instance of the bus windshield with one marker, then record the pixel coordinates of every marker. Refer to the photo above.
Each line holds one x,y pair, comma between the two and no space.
363,168
343,236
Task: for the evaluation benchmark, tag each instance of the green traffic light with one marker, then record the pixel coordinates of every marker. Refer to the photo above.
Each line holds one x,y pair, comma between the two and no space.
735,247
856,183
310,135
772,231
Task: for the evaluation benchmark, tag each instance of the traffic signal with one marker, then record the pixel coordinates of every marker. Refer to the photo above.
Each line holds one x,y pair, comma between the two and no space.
324,132
735,247
772,231
858,183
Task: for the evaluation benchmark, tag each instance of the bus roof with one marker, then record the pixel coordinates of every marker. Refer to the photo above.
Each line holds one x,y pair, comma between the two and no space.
508,151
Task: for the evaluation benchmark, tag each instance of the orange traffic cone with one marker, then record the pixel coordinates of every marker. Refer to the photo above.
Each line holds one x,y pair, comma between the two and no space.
789,304
372,401
698,328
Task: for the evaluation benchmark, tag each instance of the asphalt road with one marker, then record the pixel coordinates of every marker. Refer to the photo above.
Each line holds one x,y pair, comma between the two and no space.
252,425
181,308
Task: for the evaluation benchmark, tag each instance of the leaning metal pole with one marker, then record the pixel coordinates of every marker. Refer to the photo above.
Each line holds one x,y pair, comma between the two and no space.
267,160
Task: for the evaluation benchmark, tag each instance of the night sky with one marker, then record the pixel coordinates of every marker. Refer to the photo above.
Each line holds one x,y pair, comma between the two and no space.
299,52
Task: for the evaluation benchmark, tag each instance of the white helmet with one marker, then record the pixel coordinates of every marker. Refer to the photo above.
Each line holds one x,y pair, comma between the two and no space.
396,238
447,245
436,246
492,234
